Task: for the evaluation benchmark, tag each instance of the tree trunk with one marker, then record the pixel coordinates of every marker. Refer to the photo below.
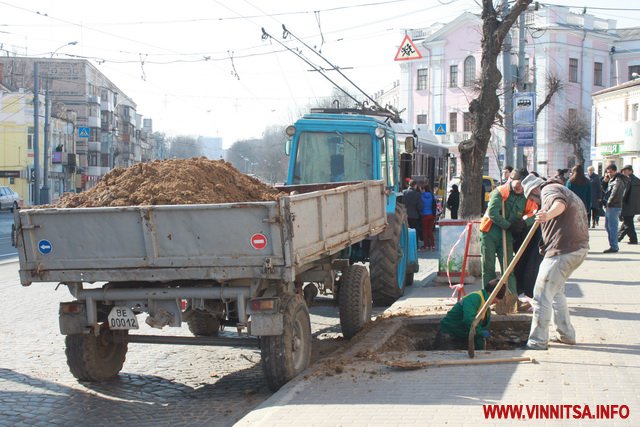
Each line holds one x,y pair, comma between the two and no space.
484,108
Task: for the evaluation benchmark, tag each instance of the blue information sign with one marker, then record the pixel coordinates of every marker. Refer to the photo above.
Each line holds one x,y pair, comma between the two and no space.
523,136
524,106
441,128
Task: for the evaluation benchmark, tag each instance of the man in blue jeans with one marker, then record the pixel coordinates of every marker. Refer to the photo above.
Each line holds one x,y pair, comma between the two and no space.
565,244
613,195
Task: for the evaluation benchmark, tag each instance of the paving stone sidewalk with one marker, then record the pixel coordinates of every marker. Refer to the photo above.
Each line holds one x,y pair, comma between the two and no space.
602,369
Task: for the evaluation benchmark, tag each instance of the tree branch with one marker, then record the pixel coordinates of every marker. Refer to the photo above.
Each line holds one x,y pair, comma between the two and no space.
519,7
553,86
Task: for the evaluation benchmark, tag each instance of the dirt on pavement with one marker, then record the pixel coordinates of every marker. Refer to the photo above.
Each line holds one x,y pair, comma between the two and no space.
172,182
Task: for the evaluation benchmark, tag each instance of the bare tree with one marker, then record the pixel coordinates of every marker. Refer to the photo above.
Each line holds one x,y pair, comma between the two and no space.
184,147
574,130
554,85
485,107
263,157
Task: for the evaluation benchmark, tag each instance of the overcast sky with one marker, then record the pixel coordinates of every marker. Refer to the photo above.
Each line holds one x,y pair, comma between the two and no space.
174,58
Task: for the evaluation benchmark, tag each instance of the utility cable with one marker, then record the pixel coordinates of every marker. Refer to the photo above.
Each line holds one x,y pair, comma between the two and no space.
266,36
287,32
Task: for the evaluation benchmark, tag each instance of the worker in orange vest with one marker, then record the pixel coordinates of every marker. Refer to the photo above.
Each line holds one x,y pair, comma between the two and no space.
511,194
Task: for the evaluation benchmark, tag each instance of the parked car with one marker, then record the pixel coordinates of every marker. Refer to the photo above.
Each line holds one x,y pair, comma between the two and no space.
487,182
9,199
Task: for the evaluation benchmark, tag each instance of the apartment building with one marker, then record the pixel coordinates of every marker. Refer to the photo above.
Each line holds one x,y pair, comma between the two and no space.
107,130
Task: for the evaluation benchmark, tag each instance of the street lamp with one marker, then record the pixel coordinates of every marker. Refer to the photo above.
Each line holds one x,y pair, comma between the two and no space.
44,191
73,43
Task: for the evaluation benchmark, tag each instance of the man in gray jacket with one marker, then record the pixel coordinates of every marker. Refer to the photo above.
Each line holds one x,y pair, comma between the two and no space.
616,185
630,206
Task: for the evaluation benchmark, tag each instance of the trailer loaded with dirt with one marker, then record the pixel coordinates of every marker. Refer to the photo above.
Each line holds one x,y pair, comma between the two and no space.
148,238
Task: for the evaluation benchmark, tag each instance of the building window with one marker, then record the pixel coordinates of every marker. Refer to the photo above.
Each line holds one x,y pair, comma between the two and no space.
453,122
597,73
29,142
469,71
573,70
93,158
634,112
421,119
573,114
423,74
634,69
466,122
453,76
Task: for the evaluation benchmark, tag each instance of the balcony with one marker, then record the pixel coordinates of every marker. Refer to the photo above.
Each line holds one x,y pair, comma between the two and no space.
82,147
94,170
57,157
94,121
94,146
456,137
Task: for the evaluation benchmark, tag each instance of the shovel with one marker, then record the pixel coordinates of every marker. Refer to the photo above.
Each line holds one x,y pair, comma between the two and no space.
503,280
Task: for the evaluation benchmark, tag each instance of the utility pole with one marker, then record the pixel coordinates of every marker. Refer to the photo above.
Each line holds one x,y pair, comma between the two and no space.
521,83
44,191
535,121
36,125
508,92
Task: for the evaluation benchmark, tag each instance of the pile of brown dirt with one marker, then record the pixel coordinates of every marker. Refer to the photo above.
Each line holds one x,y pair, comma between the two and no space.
172,182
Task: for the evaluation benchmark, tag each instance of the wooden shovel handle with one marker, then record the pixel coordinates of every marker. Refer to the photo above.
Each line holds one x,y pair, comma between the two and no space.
503,280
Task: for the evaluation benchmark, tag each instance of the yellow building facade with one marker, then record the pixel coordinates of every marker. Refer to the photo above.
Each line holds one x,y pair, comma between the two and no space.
17,143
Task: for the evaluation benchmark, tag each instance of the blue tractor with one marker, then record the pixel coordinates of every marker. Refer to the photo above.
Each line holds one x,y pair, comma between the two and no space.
337,146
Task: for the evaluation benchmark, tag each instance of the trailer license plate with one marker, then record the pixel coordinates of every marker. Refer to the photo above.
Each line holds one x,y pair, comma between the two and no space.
122,318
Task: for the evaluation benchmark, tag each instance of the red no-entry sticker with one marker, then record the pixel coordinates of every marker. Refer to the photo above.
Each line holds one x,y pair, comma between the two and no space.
259,241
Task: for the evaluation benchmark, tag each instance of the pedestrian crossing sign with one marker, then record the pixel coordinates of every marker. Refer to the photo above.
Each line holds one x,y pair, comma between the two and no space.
407,50
441,128
84,132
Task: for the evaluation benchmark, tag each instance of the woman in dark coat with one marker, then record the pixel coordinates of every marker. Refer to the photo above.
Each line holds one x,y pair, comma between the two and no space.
579,184
596,196
453,201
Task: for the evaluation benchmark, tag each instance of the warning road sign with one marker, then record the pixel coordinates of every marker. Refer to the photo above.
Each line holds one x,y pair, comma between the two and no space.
407,50
259,241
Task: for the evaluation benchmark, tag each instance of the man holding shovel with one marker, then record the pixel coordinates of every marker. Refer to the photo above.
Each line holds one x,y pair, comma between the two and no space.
565,243
507,205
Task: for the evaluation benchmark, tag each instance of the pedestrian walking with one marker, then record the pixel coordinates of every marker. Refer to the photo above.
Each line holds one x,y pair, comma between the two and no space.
616,185
453,201
429,207
579,184
565,244
455,326
630,206
412,200
596,197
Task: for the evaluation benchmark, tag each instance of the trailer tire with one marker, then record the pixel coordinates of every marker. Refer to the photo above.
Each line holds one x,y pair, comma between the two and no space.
355,300
388,261
203,324
95,358
285,356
